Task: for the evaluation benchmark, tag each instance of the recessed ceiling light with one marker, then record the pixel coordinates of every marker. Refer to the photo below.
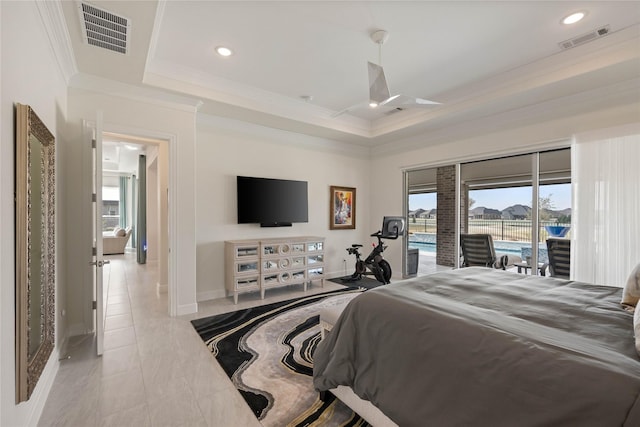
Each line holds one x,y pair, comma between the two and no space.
224,51
373,104
573,18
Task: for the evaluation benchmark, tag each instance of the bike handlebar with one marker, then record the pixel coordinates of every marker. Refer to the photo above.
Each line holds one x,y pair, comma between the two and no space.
379,235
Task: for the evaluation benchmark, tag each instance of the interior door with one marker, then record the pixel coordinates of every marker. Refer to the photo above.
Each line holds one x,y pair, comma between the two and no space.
98,261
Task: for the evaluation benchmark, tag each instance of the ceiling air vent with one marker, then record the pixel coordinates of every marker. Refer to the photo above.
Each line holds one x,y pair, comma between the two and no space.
104,29
592,35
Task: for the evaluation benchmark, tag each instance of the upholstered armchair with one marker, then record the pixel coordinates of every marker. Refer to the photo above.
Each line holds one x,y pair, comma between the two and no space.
114,242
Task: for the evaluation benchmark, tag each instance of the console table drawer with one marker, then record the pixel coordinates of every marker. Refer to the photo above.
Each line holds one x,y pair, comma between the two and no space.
248,283
243,252
283,278
315,273
247,267
279,249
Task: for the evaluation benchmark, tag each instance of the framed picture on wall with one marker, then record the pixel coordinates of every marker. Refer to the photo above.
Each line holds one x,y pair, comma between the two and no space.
342,208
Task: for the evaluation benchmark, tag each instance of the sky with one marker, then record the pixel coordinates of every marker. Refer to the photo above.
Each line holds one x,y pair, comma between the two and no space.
502,198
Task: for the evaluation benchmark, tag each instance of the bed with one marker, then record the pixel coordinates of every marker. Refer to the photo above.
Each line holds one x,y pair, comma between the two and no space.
485,347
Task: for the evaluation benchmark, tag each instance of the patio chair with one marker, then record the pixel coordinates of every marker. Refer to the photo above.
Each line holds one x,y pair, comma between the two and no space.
478,250
559,257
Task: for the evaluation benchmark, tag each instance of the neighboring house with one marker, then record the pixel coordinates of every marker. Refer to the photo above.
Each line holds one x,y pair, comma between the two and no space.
433,213
484,213
516,212
418,213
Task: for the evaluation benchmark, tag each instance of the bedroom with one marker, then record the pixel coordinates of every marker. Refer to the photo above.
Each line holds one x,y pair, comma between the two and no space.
215,149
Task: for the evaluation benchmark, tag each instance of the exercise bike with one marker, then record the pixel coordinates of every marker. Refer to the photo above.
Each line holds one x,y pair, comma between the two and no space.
375,264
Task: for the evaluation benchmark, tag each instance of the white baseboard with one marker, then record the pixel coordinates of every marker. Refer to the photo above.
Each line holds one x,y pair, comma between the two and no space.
40,394
77,329
187,309
162,288
209,295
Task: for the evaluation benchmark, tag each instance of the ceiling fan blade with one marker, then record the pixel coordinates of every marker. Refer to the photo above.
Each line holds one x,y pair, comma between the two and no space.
378,89
407,102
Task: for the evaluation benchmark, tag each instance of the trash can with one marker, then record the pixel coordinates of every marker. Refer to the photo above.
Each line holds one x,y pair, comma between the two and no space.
412,261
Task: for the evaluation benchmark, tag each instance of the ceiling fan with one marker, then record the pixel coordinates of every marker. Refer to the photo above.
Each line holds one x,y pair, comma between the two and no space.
379,94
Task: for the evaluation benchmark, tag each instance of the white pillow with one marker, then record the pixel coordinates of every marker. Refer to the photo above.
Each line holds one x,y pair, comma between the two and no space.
115,231
121,232
631,291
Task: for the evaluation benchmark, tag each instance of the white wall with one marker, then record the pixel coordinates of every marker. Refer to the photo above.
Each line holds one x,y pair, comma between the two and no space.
226,148
152,204
497,141
30,75
157,205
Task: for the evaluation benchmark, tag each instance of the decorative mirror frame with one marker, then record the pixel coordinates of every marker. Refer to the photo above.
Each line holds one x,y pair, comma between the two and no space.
30,367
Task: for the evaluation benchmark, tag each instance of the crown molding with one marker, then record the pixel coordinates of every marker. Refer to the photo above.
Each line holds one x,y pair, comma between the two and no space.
56,29
135,93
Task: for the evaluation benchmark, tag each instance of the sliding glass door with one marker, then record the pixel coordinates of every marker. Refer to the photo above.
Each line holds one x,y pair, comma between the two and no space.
422,207
499,193
519,201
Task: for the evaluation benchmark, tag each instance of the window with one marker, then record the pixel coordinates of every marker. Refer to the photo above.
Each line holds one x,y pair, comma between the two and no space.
110,208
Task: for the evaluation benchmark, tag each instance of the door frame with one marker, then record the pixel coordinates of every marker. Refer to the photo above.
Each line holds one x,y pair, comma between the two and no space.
171,139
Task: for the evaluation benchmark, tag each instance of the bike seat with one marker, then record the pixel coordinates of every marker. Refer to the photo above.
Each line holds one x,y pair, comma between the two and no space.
355,245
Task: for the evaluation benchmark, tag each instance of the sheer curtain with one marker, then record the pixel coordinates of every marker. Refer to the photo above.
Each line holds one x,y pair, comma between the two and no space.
606,205
123,201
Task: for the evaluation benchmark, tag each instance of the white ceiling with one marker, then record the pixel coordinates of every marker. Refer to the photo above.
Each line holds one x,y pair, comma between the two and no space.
479,59
121,156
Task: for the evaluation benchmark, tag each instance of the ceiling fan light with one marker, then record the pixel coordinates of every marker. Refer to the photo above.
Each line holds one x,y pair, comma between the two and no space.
573,18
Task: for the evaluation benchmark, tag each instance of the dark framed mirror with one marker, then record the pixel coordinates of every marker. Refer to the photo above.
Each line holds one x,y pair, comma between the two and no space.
35,248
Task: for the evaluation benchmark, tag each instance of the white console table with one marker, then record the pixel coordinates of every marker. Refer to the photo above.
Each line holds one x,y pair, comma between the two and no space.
260,264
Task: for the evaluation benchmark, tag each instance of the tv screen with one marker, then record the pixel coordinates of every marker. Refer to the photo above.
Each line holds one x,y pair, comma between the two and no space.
271,202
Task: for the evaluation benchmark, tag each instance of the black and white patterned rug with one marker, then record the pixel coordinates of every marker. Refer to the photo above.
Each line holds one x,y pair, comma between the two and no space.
267,352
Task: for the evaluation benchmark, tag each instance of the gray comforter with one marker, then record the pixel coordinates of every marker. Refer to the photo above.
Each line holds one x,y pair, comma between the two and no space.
482,347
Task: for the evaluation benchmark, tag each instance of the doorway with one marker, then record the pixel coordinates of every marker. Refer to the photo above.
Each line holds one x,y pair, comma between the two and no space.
123,158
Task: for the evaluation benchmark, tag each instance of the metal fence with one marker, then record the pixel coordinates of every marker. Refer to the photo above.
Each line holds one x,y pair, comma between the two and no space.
500,229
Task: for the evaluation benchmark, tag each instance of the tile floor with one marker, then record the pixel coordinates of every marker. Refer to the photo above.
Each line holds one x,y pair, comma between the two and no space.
155,370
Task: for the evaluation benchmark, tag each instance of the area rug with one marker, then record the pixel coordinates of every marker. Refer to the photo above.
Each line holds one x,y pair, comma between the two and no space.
364,282
267,352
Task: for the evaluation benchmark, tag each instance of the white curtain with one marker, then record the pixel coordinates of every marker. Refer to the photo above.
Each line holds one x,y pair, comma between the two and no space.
605,237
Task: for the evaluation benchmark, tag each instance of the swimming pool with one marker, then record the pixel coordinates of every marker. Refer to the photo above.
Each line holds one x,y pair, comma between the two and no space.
521,249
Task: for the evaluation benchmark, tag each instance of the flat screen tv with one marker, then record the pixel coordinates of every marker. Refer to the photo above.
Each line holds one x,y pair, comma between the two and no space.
271,202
